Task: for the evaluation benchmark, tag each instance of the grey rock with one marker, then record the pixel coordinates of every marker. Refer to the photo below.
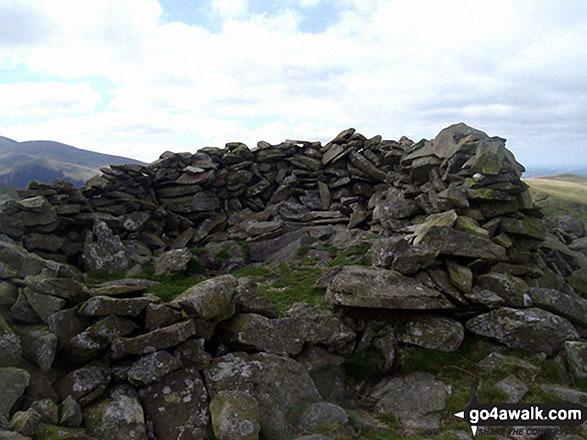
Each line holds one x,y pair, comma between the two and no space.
565,394
214,298
531,329
22,311
25,422
396,253
70,413
235,415
161,315
449,241
449,140
360,286
487,298
48,410
402,396
429,331
8,293
251,331
252,300
178,405
280,248
512,289
13,383
47,431
152,341
175,260
513,387
460,276
39,346
278,383
104,306
36,204
152,367
83,382
44,305
321,326
322,414
193,353
315,358
104,251
572,307
495,360
66,324
576,352
10,345
117,415
92,342
392,204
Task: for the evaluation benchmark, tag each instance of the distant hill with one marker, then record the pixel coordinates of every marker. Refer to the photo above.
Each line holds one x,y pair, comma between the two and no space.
46,161
560,194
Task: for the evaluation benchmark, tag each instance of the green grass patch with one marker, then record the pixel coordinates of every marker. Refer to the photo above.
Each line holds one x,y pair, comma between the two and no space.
560,195
256,273
170,287
93,278
197,251
303,250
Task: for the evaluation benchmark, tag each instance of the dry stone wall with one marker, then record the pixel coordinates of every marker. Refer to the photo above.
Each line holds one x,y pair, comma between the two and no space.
456,246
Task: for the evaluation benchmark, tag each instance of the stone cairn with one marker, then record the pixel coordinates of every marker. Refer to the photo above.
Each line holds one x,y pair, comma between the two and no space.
456,245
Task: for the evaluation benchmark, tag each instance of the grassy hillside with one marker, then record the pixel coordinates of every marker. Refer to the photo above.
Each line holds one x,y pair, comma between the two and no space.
560,194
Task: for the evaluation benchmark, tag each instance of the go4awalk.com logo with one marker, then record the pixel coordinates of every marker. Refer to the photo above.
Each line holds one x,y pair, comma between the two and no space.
493,418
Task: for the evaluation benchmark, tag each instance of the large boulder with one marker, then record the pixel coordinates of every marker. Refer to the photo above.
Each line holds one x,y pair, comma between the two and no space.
104,251
118,415
429,331
277,383
235,416
572,307
403,395
13,383
361,286
175,260
449,241
212,299
10,345
531,329
178,405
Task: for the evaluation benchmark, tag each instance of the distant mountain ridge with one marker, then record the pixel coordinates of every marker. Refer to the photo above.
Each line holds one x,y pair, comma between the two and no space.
46,161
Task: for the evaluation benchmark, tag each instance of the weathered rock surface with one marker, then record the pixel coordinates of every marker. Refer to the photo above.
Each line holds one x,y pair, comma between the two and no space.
118,415
360,286
178,405
13,382
402,396
211,299
532,329
429,331
235,415
452,233
152,367
277,383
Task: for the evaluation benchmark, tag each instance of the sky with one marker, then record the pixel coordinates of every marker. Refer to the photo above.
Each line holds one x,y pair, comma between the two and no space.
140,77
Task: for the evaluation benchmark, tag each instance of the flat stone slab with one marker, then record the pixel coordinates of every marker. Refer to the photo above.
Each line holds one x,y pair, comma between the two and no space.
361,286
531,329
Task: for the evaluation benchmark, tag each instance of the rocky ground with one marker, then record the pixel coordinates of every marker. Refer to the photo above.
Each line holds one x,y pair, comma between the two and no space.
364,288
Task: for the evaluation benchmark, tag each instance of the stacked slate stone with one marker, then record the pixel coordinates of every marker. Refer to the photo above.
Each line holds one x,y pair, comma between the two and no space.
455,242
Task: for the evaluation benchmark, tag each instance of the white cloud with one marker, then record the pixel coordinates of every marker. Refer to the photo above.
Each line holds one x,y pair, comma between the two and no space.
230,8
393,68
33,99
309,3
